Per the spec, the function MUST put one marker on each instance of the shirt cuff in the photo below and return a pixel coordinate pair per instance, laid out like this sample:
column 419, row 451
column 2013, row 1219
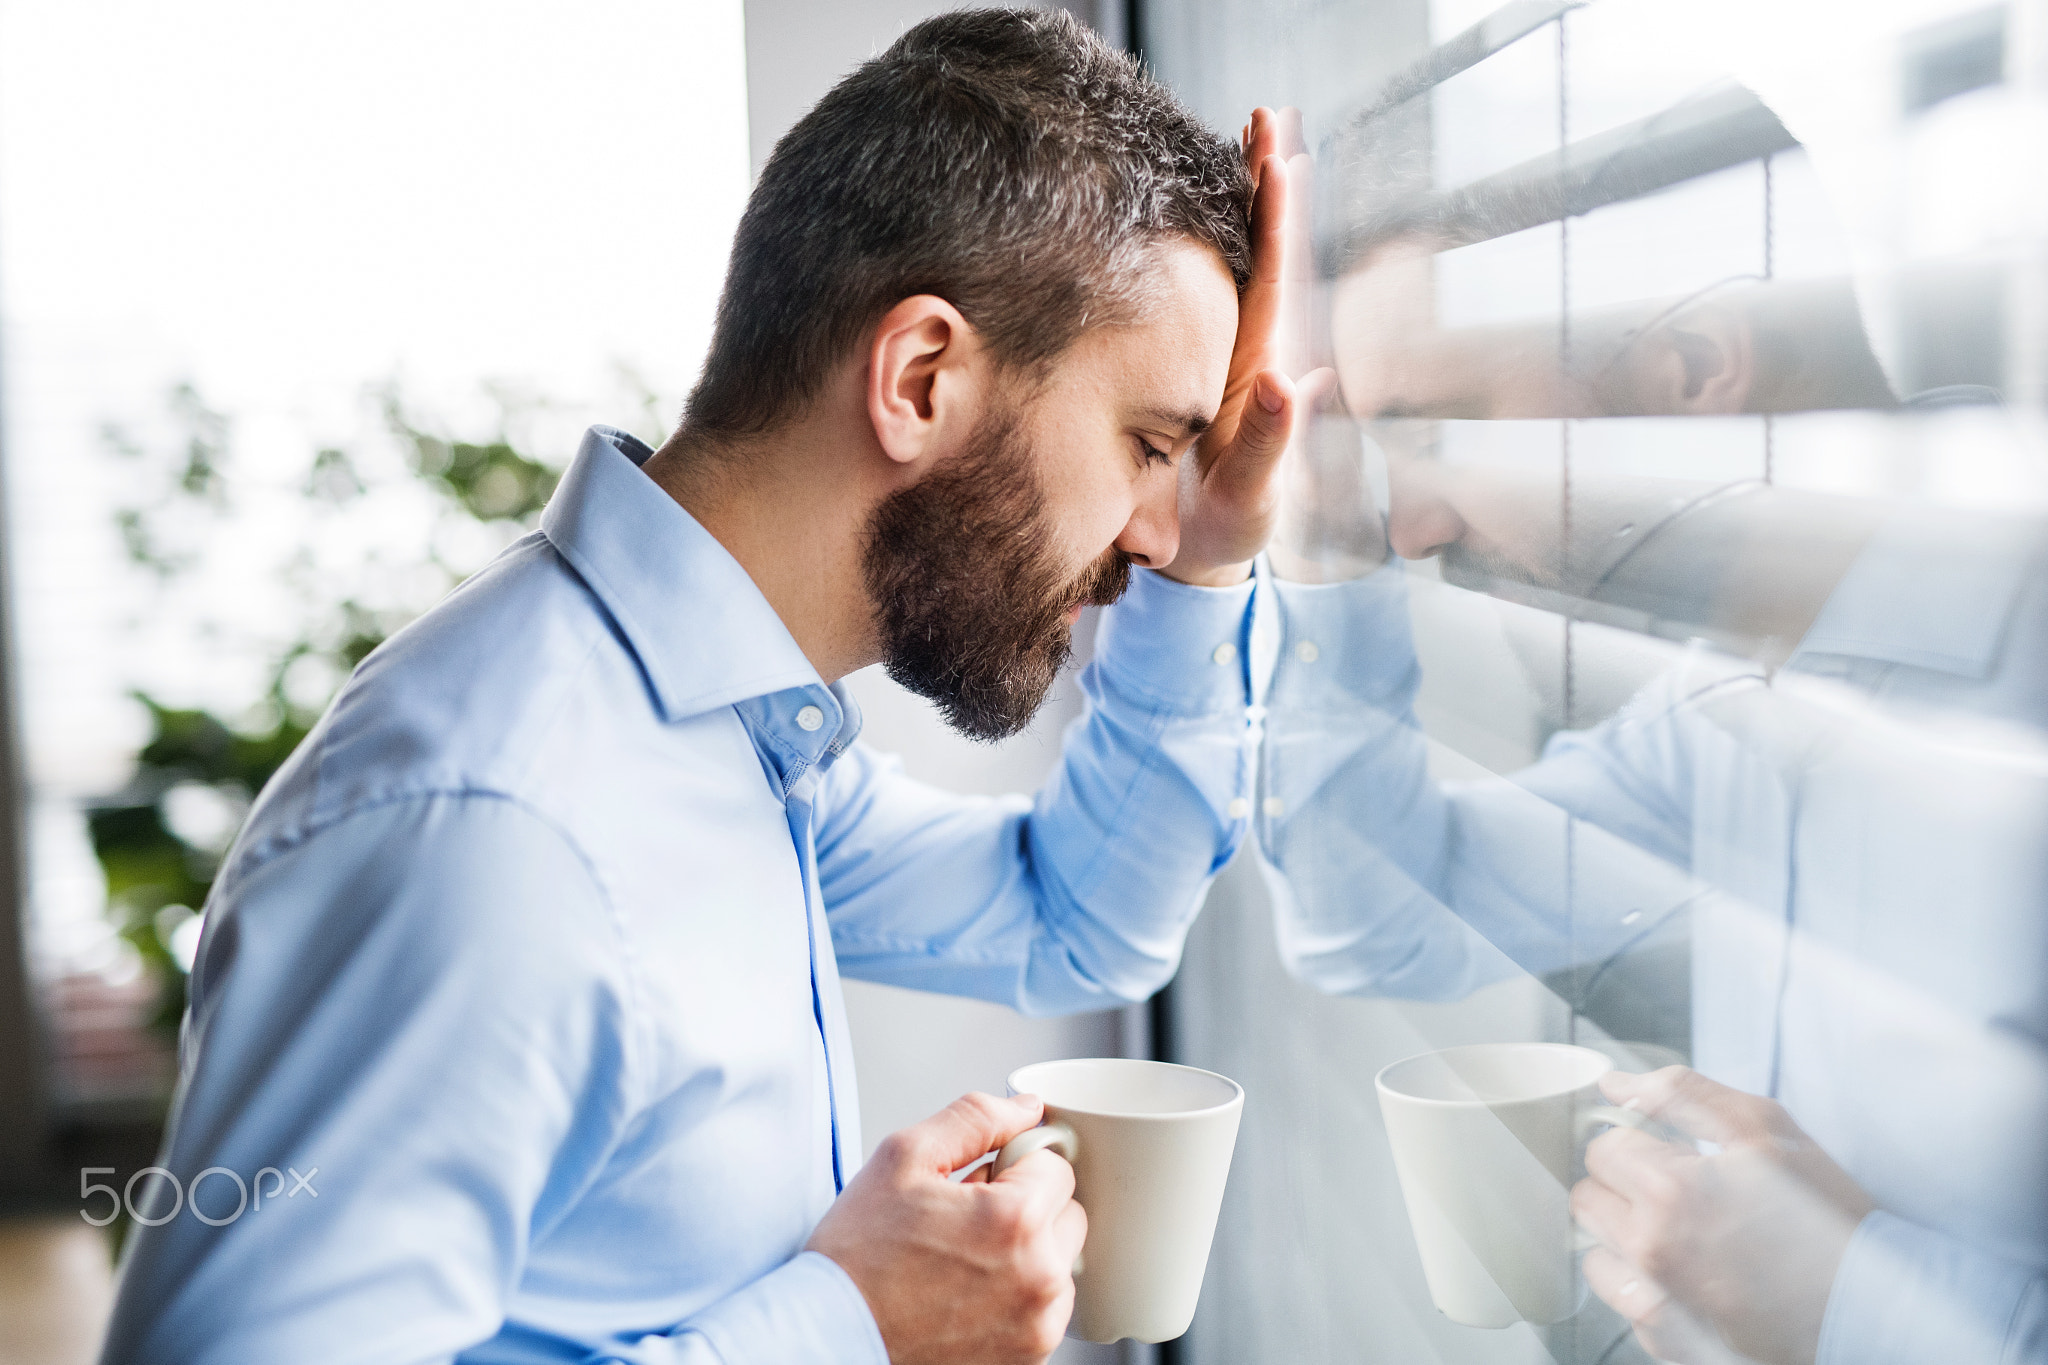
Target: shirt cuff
column 1342, row 643
column 1181, row 648
column 1905, row 1293
column 805, row 1310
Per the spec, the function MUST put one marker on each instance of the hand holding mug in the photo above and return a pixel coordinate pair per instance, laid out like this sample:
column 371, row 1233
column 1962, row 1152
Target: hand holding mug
column 960, row 1270
column 1747, row 1239
column 1486, row 1141
column 1149, row 1144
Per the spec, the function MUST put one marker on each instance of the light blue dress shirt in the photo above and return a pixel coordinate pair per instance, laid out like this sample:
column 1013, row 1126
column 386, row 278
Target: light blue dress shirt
column 533, row 952
column 1860, row 843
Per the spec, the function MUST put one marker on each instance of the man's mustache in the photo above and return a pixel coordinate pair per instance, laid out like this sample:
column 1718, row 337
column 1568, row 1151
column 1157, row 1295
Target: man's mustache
column 1103, row 584
column 1477, row 567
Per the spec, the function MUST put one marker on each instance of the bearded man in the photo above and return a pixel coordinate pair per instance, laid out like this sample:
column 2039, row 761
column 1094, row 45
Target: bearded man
column 533, row 949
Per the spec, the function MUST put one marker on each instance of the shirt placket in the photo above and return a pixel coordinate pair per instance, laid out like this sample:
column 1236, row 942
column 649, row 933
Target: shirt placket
column 828, row 1003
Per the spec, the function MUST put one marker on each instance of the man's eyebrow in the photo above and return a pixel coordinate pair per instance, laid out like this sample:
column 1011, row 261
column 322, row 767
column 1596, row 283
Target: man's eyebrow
column 1192, row 422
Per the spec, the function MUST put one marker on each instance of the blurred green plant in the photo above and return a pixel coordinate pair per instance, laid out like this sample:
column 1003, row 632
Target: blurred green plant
column 161, row 838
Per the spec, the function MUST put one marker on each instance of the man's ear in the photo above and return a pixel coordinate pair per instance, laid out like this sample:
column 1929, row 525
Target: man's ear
column 1701, row 362
column 923, row 379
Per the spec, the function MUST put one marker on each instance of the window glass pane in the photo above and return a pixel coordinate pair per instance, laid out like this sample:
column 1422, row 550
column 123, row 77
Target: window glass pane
column 1660, row 671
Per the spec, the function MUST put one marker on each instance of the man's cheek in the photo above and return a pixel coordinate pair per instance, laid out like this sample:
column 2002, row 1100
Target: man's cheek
column 1083, row 553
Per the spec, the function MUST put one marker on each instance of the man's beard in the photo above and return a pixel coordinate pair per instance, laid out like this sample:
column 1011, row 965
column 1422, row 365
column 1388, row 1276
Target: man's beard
column 969, row 598
column 1479, row 567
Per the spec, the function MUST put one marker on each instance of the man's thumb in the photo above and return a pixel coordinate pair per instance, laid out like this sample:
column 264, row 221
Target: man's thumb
column 1268, row 417
column 968, row 1129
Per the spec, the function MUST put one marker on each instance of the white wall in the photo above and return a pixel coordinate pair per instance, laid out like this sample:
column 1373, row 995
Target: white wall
column 917, row 1052
column 797, row 49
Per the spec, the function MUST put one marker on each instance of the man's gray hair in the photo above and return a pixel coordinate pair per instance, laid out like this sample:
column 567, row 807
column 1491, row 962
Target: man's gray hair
column 1007, row 161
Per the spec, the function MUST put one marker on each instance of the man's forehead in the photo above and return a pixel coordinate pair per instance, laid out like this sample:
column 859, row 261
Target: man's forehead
column 1166, row 367
column 1167, row 377
column 1170, row 364
column 1191, row 288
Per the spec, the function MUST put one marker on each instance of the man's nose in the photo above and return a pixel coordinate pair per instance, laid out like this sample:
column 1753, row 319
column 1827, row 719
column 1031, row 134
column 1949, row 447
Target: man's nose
column 1152, row 536
column 1418, row 527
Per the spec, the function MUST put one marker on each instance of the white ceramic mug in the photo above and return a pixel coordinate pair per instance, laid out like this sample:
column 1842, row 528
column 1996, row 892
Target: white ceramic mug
column 1150, row 1143
column 1488, row 1141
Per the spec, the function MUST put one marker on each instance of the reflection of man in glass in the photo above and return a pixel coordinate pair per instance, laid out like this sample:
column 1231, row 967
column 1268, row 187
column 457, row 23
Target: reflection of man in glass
column 1852, row 844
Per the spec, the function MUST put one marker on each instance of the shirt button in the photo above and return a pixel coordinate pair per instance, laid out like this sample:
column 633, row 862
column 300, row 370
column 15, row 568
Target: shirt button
column 1224, row 652
column 1275, row 806
column 1239, row 808
column 810, row 718
column 1307, row 652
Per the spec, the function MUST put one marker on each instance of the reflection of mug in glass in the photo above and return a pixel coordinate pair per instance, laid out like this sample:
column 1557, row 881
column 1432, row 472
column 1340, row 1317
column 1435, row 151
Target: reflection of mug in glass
column 1150, row 1143
column 1487, row 1142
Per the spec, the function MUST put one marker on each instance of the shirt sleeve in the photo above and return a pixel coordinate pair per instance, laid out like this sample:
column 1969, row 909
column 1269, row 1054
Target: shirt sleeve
column 806, row 1311
column 412, row 1041
column 1083, row 896
column 1906, row 1295
column 1387, row 880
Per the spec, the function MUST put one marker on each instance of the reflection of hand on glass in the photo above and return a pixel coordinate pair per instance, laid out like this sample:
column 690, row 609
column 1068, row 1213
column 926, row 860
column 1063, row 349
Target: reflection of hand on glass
column 1747, row 1239
column 1330, row 528
column 1328, row 525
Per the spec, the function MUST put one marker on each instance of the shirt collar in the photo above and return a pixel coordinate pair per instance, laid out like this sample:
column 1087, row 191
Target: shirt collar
column 1933, row 589
column 801, row 731
column 702, row 631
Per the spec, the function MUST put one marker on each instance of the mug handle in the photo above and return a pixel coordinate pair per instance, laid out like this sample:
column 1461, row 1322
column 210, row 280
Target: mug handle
column 1057, row 1136
column 1602, row 1115
column 1606, row 1115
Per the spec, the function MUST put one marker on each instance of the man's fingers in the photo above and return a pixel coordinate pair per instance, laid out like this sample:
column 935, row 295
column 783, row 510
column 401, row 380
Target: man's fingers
column 1261, row 140
column 1273, row 391
column 1600, row 1211
column 1694, row 1105
column 1287, row 133
column 1259, row 307
column 1044, row 1181
column 1622, row 1287
column 1272, row 132
column 1314, row 390
column 1269, row 226
column 1301, row 214
column 1664, row 1326
column 1297, row 257
column 969, row 1127
column 1069, row 1231
column 1262, row 433
column 1635, row 1165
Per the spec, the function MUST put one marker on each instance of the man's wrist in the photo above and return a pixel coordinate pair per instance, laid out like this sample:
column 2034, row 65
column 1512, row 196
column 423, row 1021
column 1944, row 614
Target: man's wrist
column 807, row 1309
column 1177, row 646
column 1904, row 1292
